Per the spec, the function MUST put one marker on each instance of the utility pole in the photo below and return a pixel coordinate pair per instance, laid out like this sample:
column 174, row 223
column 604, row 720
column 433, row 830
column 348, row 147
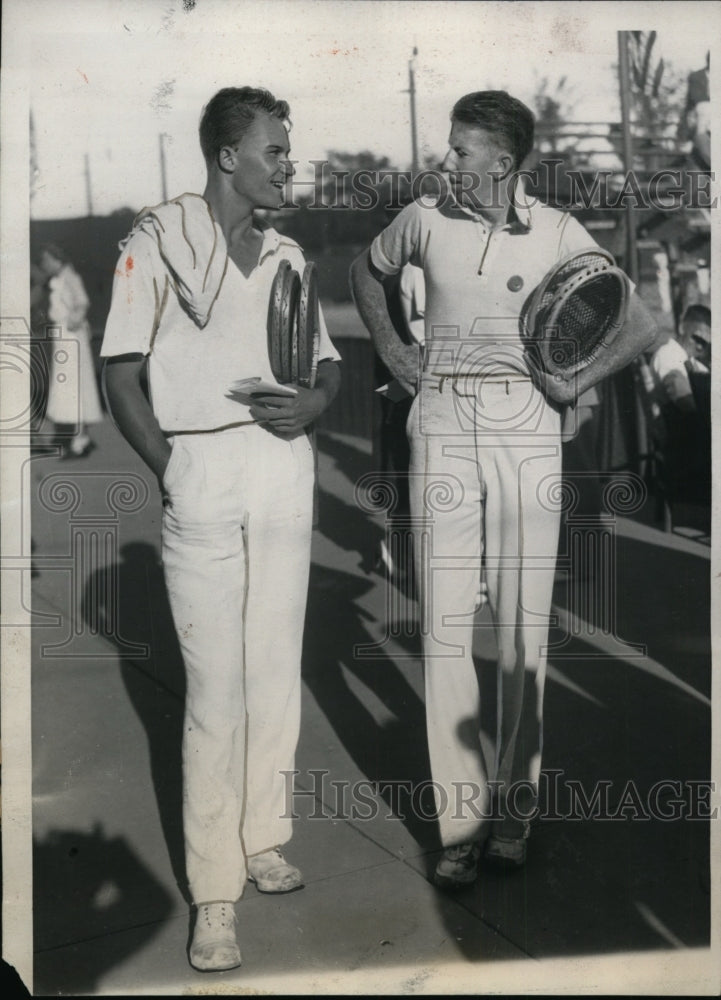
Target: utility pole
column 642, row 436
column 412, row 92
column 34, row 171
column 625, row 88
column 88, row 188
column 163, row 170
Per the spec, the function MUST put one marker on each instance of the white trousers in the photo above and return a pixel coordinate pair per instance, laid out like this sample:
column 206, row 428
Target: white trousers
column 485, row 475
column 236, row 537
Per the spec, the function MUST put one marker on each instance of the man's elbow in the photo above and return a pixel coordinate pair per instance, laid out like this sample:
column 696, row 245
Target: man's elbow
column 650, row 337
column 643, row 324
column 361, row 261
column 359, row 270
column 121, row 375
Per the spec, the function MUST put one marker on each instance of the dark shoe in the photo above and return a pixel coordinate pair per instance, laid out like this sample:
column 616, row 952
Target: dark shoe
column 458, row 866
column 508, row 851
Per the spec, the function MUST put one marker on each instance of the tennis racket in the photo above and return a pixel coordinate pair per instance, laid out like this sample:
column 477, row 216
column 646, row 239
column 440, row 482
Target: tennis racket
column 294, row 337
column 579, row 305
column 277, row 307
column 294, row 325
column 308, row 328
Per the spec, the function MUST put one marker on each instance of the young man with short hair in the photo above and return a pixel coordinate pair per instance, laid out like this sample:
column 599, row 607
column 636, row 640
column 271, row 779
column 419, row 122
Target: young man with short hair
column 190, row 299
column 485, row 435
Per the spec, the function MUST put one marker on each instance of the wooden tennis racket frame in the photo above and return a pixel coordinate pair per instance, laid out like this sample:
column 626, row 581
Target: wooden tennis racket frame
column 294, row 325
column 546, row 335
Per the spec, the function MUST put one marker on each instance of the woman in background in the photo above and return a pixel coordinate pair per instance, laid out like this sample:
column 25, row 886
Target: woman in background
column 73, row 397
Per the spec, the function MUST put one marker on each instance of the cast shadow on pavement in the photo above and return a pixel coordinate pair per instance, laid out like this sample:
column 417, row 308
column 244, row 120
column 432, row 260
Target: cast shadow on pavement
column 388, row 743
column 156, row 683
column 106, row 887
column 351, row 459
column 619, row 860
column 346, row 524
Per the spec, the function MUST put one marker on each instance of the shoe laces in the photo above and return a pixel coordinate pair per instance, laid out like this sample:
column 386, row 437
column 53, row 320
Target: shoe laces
column 210, row 913
column 460, row 851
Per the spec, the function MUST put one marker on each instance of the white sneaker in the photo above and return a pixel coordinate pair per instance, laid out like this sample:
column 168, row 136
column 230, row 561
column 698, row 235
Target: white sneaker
column 272, row 873
column 215, row 946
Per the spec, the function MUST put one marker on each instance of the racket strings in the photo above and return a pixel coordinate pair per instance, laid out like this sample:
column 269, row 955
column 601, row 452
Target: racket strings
column 582, row 320
column 594, row 264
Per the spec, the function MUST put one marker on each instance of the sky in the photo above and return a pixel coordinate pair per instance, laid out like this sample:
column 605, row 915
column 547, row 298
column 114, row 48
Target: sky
column 107, row 78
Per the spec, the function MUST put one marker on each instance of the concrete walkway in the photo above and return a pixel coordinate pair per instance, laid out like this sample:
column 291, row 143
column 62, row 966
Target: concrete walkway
column 618, row 901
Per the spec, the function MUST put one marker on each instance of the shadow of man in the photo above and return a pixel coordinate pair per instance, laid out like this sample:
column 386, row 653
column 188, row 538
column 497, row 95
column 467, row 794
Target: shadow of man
column 90, row 887
column 391, row 751
column 128, row 599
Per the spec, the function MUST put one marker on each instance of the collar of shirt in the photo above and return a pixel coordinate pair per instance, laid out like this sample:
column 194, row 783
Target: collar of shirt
column 519, row 216
column 272, row 242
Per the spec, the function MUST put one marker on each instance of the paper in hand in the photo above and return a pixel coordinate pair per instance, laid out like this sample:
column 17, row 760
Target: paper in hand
column 257, row 386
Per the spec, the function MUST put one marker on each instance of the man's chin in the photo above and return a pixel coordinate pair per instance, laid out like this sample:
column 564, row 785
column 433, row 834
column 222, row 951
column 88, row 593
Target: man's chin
column 274, row 203
column 461, row 196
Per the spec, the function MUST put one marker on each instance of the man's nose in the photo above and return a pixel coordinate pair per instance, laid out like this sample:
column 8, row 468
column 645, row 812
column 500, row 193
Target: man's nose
column 288, row 168
column 449, row 162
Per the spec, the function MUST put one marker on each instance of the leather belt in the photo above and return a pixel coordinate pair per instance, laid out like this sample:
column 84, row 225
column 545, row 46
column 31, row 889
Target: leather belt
column 495, row 377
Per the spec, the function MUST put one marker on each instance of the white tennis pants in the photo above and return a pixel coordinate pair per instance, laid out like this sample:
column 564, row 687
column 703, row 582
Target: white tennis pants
column 485, row 473
column 236, row 537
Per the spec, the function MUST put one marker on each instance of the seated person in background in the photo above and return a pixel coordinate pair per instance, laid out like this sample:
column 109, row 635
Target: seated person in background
column 696, row 327
column 697, row 340
column 682, row 371
column 673, row 360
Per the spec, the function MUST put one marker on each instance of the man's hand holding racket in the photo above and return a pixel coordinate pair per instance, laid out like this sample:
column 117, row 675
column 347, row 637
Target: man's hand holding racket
column 560, row 388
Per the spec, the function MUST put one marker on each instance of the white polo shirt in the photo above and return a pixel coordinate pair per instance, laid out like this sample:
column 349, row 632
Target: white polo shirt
column 671, row 359
column 190, row 370
column 477, row 279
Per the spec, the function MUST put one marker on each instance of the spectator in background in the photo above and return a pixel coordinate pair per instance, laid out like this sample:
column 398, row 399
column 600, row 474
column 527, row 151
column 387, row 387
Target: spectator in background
column 674, row 360
column 681, row 368
column 696, row 329
column 73, row 396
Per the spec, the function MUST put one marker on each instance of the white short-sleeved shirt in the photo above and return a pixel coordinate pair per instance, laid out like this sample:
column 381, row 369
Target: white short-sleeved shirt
column 190, row 370
column 476, row 279
column 671, row 359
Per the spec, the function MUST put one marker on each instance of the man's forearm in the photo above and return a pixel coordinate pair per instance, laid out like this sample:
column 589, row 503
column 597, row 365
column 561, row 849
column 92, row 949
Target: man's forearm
column 401, row 359
column 637, row 335
column 134, row 416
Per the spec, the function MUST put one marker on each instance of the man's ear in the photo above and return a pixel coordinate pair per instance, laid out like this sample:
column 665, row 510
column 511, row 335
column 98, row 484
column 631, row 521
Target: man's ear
column 505, row 166
column 227, row 159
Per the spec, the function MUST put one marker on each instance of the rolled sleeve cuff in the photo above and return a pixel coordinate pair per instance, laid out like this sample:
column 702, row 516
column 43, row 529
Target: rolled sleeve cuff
column 380, row 260
column 136, row 299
